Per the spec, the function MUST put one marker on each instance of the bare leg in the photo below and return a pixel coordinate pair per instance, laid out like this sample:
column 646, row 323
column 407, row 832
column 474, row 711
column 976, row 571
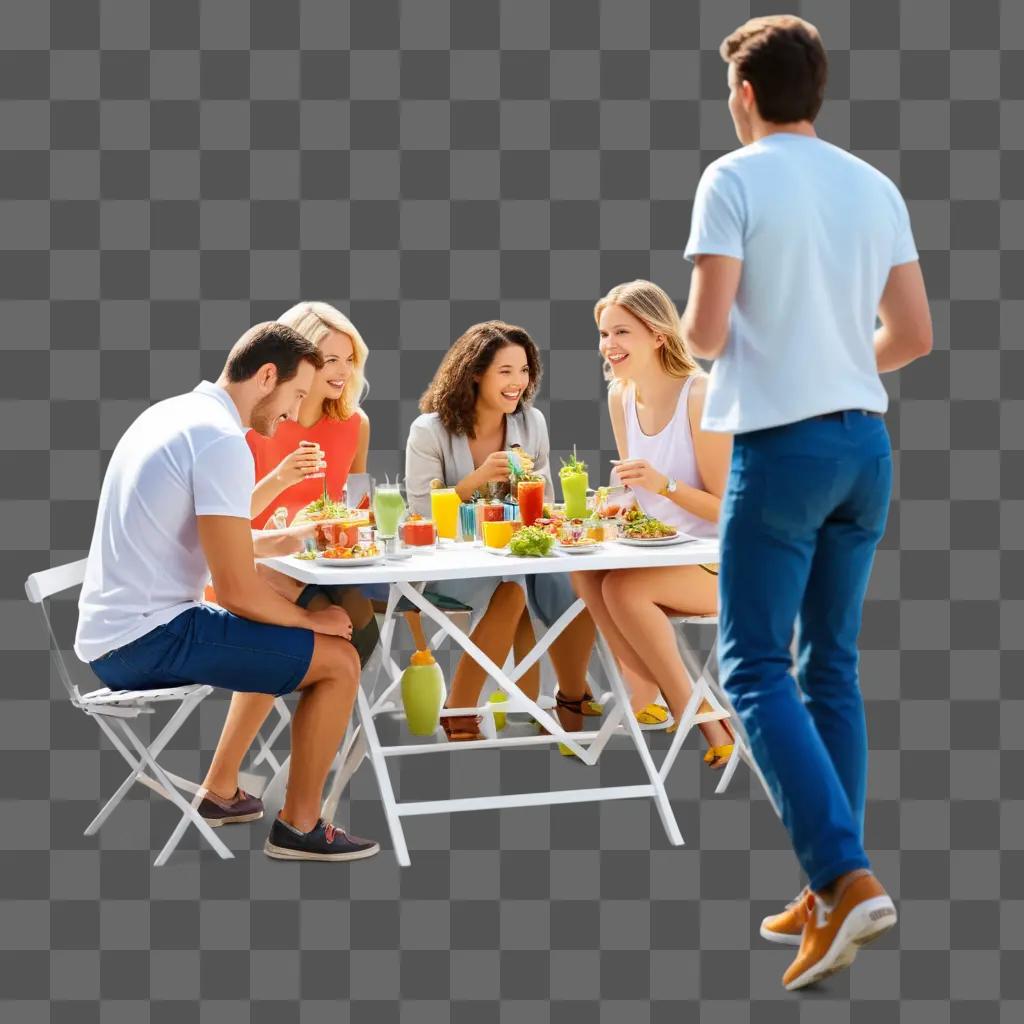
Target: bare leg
column 494, row 635
column 642, row 689
column 328, row 692
column 636, row 600
column 522, row 644
column 246, row 713
column 570, row 654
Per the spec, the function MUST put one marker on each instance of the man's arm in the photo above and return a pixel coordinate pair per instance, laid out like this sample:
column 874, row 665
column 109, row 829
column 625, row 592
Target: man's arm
column 713, row 285
column 228, row 545
column 906, row 331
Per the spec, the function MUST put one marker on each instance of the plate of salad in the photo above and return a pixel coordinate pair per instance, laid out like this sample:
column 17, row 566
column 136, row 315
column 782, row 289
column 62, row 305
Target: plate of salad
column 641, row 530
column 529, row 542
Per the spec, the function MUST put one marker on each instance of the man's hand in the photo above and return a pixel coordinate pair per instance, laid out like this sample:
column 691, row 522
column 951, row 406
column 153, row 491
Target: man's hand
column 333, row 621
column 277, row 543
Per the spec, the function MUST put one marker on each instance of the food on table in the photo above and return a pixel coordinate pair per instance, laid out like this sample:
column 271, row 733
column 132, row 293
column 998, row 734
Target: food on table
column 571, row 530
column 638, row 526
column 335, row 535
column 531, row 498
column 357, row 551
column 334, row 511
column 307, row 556
column 580, row 542
column 531, row 541
column 575, row 483
column 498, row 534
column 418, row 532
column 444, row 510
column 388, row 509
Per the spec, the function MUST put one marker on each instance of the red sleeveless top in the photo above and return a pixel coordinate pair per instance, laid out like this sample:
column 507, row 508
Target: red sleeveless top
column 338, row 440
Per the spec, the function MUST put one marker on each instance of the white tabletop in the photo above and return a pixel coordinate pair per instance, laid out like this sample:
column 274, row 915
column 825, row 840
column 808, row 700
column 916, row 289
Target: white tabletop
column 454, row 560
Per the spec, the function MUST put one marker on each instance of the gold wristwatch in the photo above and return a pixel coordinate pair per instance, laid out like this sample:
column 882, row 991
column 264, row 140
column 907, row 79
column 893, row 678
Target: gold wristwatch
column 669, row 489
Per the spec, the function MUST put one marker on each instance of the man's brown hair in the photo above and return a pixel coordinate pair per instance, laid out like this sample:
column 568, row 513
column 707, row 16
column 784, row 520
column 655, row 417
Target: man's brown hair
column 453, row 391
column 271, row 343
column 783, row 58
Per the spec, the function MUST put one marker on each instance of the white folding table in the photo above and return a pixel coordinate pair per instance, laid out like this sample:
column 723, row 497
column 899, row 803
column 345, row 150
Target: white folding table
column 451, row 560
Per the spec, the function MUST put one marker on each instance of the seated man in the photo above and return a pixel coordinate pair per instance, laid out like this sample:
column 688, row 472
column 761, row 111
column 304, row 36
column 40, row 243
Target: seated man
column 174, row 508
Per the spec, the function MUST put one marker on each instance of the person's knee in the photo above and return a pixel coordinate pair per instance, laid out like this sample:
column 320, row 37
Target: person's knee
column 509, row 598
column 338, row 662
column 616, row 588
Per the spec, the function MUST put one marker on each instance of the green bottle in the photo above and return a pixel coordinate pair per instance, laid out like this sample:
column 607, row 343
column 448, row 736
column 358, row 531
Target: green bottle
column 422, row 693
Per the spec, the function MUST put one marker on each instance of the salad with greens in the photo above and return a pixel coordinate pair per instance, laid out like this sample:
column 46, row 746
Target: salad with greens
column 531, row 541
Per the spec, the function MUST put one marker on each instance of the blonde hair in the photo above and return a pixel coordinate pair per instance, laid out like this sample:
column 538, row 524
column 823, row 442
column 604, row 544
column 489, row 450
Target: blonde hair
column 314, row 321
column 652, row 305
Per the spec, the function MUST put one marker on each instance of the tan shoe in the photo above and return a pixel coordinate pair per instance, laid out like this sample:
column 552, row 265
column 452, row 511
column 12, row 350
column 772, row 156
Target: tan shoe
column 833, row 935
column 787, row 927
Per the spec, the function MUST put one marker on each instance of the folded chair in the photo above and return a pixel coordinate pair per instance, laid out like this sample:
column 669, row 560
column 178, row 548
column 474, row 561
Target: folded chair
column 115, row 710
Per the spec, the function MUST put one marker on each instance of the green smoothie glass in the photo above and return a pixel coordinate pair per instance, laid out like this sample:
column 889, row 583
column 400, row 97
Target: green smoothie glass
column 388, row 509
column 575, row 483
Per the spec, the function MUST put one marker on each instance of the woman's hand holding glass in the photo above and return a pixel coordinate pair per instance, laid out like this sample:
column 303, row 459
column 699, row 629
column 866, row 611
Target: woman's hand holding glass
column 295, row 467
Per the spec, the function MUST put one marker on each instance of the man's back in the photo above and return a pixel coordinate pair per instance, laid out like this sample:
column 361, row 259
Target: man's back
column 818, row 231
column 182, row 457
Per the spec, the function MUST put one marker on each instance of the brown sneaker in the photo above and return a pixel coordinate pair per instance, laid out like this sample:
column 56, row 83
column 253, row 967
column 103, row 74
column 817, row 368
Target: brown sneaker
column 833, row 935
column 787, row 927
column 217, row 811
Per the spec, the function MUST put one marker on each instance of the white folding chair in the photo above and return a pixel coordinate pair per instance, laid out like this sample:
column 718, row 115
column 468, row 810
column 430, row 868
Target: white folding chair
column 706, row 686
column 113, row 710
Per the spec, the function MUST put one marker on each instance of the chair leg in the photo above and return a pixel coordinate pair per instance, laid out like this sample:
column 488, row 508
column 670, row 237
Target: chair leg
column 166, row 734
column 190, row 814
column 266, row 753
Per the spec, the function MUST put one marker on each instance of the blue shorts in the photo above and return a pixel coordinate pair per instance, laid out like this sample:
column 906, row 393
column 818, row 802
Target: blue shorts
column 211, row 646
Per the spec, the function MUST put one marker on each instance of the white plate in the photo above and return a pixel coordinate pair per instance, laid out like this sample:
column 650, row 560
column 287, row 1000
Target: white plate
column 654, row 542
column 348, row 563
column 578, row 549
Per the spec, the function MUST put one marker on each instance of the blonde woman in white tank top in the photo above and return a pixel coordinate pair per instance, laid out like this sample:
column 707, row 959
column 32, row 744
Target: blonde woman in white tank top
column 655, row 400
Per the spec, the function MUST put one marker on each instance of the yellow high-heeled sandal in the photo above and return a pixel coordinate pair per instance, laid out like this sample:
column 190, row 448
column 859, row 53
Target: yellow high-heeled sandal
column 716, row 757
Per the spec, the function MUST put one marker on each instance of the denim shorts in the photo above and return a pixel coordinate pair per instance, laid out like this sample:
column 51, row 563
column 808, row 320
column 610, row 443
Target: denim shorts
column 213, row 647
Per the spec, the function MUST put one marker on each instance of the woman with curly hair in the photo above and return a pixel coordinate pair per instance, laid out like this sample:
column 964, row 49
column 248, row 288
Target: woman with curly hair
column 475, row 409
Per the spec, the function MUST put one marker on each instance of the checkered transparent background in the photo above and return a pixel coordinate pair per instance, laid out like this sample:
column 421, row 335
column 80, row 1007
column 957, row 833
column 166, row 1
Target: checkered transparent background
column 174, row 171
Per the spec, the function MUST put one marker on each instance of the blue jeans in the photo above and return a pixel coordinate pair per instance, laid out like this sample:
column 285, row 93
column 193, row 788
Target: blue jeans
column 804, row 509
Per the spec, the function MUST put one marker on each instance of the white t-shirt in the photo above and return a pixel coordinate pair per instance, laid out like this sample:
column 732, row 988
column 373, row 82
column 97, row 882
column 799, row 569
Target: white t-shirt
column 182, row 458
column 818, row 231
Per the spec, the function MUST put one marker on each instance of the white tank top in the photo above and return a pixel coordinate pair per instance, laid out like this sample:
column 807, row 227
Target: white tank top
column 670, row 451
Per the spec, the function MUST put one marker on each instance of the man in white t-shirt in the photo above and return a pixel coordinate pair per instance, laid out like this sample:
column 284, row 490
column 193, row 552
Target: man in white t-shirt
column 798, row 246
column 174, row 509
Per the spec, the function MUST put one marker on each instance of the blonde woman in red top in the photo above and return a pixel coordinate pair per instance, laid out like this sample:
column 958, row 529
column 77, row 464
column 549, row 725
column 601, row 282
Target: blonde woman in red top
column 287, row 474
column 329, row 415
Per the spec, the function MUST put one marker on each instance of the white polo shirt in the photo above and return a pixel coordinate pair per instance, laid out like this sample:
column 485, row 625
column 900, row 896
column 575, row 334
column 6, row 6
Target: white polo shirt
column 818, row 231
column 182, row 458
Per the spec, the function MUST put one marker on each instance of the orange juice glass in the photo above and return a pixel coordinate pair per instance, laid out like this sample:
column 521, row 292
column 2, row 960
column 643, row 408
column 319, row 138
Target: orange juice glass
column 498, row 534
column 444, row 510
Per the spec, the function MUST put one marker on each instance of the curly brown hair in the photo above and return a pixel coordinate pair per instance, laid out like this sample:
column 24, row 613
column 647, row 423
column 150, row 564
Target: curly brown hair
column 452, row 394
column 783, row 58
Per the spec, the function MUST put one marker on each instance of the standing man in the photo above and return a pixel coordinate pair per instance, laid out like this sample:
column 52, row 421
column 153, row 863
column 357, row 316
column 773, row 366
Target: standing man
column 797, row 246
column 174, row 509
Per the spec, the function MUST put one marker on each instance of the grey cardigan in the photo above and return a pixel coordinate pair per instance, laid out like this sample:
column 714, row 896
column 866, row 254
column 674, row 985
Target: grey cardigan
column 433, row 453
